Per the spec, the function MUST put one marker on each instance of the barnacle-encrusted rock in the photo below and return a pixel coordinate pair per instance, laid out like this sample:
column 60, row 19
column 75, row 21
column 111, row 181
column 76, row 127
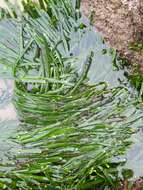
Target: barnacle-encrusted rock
column 120, row 22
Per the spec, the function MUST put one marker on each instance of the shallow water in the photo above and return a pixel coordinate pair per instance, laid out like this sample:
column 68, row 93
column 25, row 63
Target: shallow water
column 135, row 155
column 9, row 124
column 8, row 121
column 101, row 70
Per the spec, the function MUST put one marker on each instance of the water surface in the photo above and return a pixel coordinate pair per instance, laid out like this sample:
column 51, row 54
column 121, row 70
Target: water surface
column 102, row 69
column 8, row 121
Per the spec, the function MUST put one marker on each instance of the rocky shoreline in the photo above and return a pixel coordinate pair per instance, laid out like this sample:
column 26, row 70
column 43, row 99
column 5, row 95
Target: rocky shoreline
column 120, row 22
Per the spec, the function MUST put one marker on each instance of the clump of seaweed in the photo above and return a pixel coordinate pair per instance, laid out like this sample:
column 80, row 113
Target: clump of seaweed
column 72, row 131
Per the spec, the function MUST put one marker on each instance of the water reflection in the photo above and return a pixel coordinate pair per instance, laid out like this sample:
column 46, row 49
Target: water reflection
column 135, row 155
column 8, row 121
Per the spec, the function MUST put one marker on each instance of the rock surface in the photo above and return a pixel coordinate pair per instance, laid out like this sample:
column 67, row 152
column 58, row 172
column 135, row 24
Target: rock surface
column 120, row 22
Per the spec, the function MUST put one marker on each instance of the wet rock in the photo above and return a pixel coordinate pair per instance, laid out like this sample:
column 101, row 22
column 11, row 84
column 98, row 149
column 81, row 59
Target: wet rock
column 138, row 185
column 128, row 185
column 120, row 22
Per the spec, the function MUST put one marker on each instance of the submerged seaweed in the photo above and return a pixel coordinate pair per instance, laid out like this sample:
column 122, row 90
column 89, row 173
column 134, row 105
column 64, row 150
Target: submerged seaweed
column 72, row 131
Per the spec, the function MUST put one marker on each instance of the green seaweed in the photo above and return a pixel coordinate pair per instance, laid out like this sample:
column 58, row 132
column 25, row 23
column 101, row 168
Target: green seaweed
column 71, row 131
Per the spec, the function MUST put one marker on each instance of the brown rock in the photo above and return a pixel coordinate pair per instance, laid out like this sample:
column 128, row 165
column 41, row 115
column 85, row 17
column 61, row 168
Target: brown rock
column 120, row 22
